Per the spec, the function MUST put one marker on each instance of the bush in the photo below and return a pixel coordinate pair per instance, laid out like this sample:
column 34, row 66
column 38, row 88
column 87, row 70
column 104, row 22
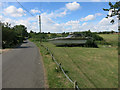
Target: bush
column 12, row 36
column 91, row 43
column 90, row 34
column 39, row 36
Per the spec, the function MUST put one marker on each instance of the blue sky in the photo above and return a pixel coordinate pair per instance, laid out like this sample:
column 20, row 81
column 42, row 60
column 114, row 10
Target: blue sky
column 59, row 16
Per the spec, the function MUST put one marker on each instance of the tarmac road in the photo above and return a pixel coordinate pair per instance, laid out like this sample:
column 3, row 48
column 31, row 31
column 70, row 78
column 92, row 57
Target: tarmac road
column 22, row 67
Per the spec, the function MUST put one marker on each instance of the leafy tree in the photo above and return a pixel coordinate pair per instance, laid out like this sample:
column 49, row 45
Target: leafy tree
column 21, row 30
column 12, row 35
column 9, row 36
column 53, row 35
column 115, row 10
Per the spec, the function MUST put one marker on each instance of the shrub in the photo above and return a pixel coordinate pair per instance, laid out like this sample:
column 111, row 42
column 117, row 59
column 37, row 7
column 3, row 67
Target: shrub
column 91, row 43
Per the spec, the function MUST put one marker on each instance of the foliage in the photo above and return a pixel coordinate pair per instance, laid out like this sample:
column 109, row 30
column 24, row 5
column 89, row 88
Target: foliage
column 21, row 30
column 39, row 36
column 91, row 43
column 115, row 10
column 107, row 32
column 88, row 33
column 12, row 35
column 65, row 34
column 53, row 35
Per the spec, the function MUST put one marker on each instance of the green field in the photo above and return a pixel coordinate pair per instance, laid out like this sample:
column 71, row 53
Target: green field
column 111, row 38
column 90, row 67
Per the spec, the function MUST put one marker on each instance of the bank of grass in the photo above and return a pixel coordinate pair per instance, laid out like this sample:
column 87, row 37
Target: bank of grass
column 90, row 67
column 56, row 79
column 110, row 38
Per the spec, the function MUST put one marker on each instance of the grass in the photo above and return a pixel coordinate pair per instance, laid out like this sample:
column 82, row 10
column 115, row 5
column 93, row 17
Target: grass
column 111, row 38
column 55, row 79
column 90, row 67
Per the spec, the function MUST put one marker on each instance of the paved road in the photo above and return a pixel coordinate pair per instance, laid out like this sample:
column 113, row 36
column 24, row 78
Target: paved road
column 22, row 67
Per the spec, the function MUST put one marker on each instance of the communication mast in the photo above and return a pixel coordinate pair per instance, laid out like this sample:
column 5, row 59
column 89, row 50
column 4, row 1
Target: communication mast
column 40, row 23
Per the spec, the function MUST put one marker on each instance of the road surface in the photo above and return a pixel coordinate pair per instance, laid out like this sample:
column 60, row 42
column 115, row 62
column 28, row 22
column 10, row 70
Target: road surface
column 22, row 67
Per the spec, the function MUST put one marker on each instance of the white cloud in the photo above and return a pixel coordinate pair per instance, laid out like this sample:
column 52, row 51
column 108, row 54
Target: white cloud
column 48, row 25
column 0, row 17
column 72, row 22
column 73, row 6
column 87, row 18
column 57, row 13
column 35, row 11
column 1, row 4
column 105, row 21
column 14, row 12
column 98, row 14
column 103, row 25
column 90, row 17
column 96, row 0
column 84, row 24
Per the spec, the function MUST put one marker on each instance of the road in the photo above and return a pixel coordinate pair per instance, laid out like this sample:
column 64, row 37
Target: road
column 22, row 67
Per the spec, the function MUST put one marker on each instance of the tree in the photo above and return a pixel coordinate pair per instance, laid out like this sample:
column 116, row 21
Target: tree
column 12, row 35
column 53, row 35
column 21, row 30
column 9, row 36
column 115, row 10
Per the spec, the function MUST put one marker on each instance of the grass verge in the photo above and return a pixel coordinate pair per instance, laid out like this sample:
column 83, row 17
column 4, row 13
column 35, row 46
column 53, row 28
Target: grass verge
column 56, row 79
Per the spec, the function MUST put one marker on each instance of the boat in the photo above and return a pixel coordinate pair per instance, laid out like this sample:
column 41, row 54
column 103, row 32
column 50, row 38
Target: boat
column 72, row 39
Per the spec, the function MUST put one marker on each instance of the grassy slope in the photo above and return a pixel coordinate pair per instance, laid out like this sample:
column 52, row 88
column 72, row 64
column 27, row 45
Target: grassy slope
column 110, row 38
column 55, row 79
column 90, row 67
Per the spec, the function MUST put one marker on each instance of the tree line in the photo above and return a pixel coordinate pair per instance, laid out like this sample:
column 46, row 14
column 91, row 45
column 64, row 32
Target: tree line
column 12, row 36
column 95, row 38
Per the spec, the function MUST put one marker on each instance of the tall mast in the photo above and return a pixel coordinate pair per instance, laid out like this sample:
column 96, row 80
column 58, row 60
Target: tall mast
column 40, row 23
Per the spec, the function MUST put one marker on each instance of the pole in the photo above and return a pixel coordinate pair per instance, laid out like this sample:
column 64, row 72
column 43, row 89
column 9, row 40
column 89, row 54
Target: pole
column 75, row 83
column 40, row 28
column 40, row 23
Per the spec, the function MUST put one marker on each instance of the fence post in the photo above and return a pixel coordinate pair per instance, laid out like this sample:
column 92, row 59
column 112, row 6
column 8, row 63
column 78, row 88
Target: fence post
column 75, row 83
column 60, row 66
column 47, row 48
column 52, row 56
column 41, row 45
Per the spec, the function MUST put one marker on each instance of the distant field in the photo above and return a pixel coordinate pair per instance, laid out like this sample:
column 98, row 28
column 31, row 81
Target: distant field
column 110, row 38
column 90, row 67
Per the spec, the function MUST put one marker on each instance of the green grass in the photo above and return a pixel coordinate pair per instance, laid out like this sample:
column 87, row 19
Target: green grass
column 110, row 38
column 55, row 79
column 90, row 67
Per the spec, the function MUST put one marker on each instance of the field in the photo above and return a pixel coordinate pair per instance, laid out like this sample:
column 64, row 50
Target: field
column 111, row 38
column 90, row 67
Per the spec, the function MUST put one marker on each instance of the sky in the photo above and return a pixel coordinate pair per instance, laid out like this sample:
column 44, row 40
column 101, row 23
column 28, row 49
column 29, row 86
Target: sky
column 58, row 17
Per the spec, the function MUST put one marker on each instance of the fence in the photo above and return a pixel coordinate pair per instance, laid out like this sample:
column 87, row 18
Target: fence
column 61, row 68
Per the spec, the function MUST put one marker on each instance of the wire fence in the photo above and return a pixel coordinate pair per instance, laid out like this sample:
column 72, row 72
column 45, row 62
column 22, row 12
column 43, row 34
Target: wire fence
column 61, row 68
